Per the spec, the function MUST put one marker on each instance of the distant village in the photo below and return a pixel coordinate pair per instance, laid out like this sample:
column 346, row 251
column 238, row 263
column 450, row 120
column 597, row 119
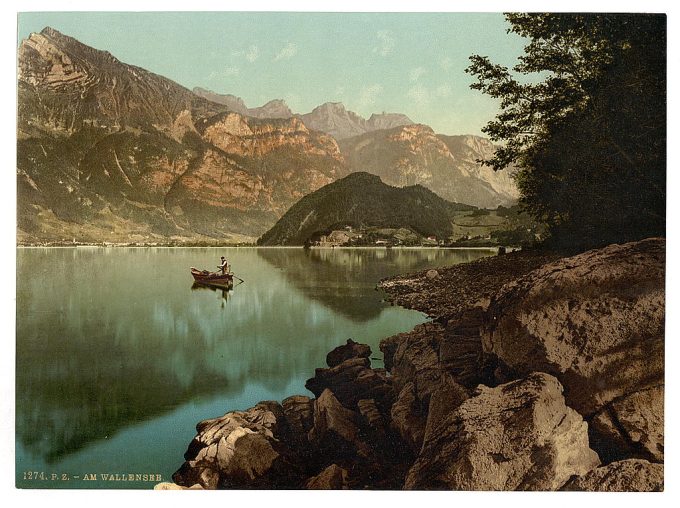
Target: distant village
column 402, row 237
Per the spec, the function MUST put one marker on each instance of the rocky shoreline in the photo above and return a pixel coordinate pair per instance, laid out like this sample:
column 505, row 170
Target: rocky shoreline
column 536, row 373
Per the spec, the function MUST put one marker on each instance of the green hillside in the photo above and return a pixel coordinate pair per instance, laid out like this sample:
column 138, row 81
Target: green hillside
column 363, row 201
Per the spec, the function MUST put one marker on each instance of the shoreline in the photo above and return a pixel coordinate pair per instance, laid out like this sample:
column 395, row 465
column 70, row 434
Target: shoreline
column 231, row 246
column 500, row 327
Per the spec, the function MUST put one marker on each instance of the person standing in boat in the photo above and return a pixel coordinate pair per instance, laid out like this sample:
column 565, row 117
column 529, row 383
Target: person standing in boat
column 224, row 266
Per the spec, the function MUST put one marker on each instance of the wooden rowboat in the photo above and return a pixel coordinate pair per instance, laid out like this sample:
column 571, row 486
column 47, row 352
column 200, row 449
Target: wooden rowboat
column 222, row 280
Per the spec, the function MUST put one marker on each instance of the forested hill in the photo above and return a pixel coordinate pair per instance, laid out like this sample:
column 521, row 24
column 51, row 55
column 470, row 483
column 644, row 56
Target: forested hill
column 362, row 200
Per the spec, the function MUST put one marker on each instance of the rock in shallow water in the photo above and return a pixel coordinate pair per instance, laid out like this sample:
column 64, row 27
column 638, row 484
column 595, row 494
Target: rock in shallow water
column 239, row 450
column 351, row 381
column 517, row 436
column 349, row 350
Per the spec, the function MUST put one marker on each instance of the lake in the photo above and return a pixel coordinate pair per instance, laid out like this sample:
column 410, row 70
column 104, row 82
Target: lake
column 119, row 356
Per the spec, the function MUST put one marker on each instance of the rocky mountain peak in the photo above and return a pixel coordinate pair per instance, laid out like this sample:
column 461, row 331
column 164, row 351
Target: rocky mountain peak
column 233, row 102
column 331, row 106
column 276, row 108
column 387, row 120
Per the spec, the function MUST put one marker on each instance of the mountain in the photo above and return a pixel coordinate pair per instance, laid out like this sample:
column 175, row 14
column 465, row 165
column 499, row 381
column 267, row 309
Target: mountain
column 110, row 151
column 232, row 102
column 414, row 154
column 362, row 200
column 332, row 118
column 276, row 108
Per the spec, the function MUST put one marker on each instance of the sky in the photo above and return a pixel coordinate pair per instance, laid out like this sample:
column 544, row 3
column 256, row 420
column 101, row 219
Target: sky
column 371, row 62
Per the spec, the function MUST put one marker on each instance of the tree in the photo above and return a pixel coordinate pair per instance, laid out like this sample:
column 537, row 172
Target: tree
column 588, row 138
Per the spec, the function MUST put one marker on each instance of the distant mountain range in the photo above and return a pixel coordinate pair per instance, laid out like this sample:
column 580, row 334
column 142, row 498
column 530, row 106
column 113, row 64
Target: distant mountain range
column 276, row 108
column 331, row 117
column 414, row 154
column 362, row 200
column 108, row 151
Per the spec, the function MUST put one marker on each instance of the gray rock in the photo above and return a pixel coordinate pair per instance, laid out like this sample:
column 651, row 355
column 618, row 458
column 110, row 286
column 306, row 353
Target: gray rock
column 432, row 274
column 631, row 475
column 516, row 436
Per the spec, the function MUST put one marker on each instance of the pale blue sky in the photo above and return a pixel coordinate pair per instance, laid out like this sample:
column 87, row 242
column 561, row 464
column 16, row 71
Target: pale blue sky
column 372, row 62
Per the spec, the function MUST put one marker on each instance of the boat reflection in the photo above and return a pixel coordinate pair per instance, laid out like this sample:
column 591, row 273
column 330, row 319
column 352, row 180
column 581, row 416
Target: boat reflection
column 222, row 292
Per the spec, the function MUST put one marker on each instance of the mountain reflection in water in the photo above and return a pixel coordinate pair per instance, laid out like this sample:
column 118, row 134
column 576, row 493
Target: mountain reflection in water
column 344, row 278
column 110, row 338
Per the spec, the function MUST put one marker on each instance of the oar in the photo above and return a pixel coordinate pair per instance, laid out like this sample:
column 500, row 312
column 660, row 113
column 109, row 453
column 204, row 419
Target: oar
column 239, row 278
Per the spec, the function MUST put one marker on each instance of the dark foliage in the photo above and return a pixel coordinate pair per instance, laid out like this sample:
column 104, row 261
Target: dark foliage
column 590, row 137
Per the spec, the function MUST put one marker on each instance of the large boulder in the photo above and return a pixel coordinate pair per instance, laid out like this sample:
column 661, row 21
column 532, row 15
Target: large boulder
column 239, row 450
column 516, row 436
column 631, row 427
column 595, row 321
column 633, row 475
column 443, row 401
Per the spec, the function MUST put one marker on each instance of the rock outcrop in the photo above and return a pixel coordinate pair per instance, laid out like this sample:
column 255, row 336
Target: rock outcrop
column 350, row 350
column 631, row 475
column 517, row 436
column 337, row 440
column 595, row 321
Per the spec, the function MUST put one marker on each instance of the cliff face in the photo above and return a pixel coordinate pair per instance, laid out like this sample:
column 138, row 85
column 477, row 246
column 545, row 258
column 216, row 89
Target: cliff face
column 414, row 154
column 135, row 156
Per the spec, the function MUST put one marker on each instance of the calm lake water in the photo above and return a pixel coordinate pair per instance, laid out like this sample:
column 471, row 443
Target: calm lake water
column 118, row 357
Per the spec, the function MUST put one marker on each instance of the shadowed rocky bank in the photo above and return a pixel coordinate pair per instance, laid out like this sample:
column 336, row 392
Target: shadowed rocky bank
column 536, row 373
